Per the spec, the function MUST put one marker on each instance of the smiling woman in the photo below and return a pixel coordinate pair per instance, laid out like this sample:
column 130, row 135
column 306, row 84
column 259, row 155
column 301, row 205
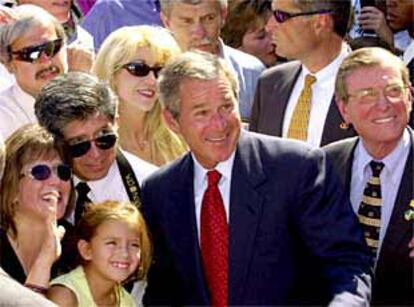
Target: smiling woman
column 35, row 193
column 130, row 60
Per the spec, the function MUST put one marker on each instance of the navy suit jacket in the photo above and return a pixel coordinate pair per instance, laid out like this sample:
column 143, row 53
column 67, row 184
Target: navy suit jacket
column 393, row 283
column 273, row 91
column 291, row 228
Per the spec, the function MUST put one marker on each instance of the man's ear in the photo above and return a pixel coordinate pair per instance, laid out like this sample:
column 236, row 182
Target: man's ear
column 165, row 21
column 223, row 13
column 343, row 109
column 84, row 249
column 171, row 121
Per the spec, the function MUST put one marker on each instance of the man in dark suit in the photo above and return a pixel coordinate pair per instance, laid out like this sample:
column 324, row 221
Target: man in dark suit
column 243, row 218
column 373, row 94
column 311, row 33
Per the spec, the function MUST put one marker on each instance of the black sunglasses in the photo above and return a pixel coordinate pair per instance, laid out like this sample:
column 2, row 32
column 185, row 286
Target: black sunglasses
column 140, row 69
column 43, row 172
column 282, row 16
column 33, row 53
column 103, row 142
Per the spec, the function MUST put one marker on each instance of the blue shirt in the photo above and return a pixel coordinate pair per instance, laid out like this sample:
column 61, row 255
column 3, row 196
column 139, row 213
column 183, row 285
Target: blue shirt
column 108, row 15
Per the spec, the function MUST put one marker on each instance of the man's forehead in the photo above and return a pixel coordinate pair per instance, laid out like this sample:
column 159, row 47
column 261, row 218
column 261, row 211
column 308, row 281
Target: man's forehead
column 87, row 127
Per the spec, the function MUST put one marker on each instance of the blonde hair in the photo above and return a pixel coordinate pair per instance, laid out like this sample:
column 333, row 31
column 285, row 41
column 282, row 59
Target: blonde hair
column 121, row 211
column 119, row 48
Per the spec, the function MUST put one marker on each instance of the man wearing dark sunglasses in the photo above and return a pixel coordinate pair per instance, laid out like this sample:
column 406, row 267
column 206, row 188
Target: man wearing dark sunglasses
column 197, row 25
column 296, row 99
column 33, row 50
column 82, row 113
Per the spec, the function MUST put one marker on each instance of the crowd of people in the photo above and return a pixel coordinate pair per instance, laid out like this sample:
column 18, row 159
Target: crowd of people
column 206, row 152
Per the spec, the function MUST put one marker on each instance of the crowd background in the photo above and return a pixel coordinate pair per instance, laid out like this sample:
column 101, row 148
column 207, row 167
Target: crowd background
column 86, row 120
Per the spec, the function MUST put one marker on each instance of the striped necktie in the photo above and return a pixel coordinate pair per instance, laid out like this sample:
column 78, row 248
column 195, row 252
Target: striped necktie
column 298, row 128
column 369, row 212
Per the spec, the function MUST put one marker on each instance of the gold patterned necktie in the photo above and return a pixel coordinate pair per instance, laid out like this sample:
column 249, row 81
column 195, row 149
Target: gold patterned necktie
column 369, row 212
column 298, row 128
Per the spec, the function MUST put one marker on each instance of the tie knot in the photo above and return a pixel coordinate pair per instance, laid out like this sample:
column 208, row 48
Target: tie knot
column 82, row 188
column 309, row 81
column 376, row 167
column 213, row 177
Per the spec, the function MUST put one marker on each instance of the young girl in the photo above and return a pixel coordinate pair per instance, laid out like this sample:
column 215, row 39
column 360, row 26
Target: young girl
column 113, row 245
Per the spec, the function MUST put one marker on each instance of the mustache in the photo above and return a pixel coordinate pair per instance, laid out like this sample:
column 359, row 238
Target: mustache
column 52, row 68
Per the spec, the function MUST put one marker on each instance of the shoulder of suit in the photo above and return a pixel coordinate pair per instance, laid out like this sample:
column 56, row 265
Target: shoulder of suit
column 339, row 146
column 278, row 70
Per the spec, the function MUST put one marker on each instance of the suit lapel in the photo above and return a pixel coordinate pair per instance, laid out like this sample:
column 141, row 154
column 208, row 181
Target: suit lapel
column 398, row 228
column 245, row 208
column 281, row 92
column 182, row 229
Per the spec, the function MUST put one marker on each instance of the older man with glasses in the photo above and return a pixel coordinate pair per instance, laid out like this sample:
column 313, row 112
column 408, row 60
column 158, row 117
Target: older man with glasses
column 295, row 100
column 373, row 94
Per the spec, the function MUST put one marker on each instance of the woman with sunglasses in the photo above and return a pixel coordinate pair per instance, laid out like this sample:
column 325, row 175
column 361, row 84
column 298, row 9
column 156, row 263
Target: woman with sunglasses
column 130, row 59
column 35, row 192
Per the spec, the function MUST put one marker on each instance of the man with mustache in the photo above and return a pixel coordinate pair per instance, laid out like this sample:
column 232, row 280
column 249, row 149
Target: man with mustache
column 33, row 48
column 196, row 24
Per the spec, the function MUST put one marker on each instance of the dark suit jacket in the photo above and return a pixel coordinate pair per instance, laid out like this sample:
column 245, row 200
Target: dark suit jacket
column 272, row 95
column 393, row 282
column 289, row 222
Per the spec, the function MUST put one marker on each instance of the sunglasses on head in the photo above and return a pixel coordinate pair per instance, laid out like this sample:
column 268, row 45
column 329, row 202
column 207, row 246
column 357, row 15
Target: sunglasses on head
column 282, row 16
column 43, row 172
column 140, row 69
column 33, row 53
column 103, row 142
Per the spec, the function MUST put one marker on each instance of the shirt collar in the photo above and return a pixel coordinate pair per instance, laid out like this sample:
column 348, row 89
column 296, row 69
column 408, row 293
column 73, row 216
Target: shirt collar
column 391, row 161
column 224, row 168
column 326, row 73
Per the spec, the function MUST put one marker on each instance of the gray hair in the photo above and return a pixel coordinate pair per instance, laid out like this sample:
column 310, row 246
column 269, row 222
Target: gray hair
column 28, row 17
column 166, row 5
column 73, row 96
column 191, row 65
column 340, row 12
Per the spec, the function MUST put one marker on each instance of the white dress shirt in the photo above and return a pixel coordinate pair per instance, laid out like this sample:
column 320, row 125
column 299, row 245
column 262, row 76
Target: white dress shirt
column 201, row 182
column 394, row 164
column 322, row 93
column 16, row 110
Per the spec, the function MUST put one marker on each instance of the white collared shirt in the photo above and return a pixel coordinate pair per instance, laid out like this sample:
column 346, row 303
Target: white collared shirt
column 394, row 164
column 322, row 93
column 16, row 110
column 409, row 53
column 201, row 182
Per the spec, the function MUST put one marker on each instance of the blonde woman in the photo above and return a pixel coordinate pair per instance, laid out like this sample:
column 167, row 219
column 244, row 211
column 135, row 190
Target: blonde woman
column 130, row 59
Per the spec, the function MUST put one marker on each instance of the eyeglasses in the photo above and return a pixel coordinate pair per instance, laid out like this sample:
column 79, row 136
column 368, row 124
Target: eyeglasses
column 140, row 69
column 370, row 96
column 282, row 16
column 103, row 142
column 33, row 53
column 43, row 172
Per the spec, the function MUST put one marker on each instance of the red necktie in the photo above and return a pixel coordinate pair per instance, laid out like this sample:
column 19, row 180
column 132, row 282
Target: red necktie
column 214, row 241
